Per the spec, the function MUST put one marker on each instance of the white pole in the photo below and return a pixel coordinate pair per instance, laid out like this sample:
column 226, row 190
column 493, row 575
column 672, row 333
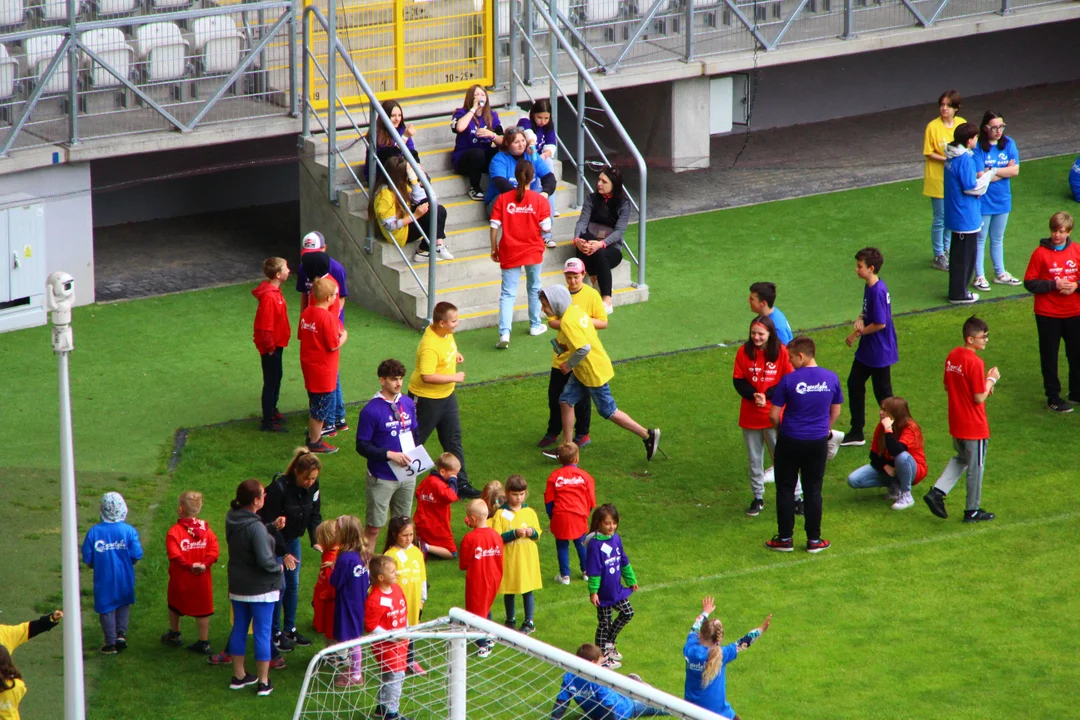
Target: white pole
column 457, row 690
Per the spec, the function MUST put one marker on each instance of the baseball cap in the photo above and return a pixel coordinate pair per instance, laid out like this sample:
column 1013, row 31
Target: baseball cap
column 574, row 265
column 312, row 242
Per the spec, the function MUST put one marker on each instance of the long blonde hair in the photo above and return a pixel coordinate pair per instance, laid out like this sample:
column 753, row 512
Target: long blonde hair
column 712, row 631
column 493, row 496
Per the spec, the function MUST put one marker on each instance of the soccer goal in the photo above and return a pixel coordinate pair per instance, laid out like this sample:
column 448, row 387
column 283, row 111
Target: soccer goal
column 519, row 679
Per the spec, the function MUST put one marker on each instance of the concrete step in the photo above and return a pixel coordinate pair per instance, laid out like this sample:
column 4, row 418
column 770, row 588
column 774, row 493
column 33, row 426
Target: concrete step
column 465, row 269
column 471, row 317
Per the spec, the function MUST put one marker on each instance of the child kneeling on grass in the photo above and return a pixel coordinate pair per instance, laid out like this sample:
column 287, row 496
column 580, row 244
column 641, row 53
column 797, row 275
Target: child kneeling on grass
column 192, row 548
column 897, row 459
column 596, row 701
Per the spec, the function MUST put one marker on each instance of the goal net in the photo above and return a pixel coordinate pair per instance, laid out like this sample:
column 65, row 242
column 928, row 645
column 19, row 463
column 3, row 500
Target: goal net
column 520, row 678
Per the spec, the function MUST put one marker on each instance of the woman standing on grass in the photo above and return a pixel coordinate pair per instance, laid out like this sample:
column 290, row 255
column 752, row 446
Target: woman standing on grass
column 939, row 133
column 598, row 237
column 994, row 150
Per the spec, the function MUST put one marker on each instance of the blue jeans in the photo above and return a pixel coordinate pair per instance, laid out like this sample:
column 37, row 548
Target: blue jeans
column 290, row 596
column 601, row 396
column 528, row 602
column 868, row 477
column 510, row 280
column 939, row 234
column 339, row 402
column 994, row 225
column 245, row 614
column 562, row 549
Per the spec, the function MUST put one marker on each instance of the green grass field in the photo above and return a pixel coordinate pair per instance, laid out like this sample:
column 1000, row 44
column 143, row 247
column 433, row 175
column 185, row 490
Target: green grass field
column 907, row 615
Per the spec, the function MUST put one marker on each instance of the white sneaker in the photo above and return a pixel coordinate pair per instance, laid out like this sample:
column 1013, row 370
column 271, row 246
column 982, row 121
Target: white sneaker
column 904, row 502
column 835, row 438
column 443, row 252
column 971, row 298
column 421, row 256
column 770, row 475
column 550, row 243
column 1006, row 279
column 504, row 341
column 538, row 330
column 562, row 579
column 611, row 652
column 483, row 651
column 981, row 284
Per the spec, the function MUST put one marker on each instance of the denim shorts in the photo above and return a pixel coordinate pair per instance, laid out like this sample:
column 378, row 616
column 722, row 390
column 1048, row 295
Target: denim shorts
column 574, row 392
column 321, row 406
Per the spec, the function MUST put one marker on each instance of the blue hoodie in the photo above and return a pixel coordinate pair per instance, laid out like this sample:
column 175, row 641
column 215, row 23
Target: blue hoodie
column 962, row 211
column 1074, row 180
column 112, row 547
column 504, row 164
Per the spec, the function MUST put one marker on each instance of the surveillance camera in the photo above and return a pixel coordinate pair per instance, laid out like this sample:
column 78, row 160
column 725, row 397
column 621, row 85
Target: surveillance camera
column 60, row 296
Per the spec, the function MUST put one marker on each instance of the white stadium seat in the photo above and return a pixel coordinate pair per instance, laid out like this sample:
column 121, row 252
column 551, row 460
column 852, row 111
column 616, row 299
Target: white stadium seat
column 115, row 7
column 9, row 69
column 52, row 10
column 39, row 53
column 162, row 50
column 12, row 12
column 110, row 45
column 602, row 10
column 169, row 4
column 217, row 44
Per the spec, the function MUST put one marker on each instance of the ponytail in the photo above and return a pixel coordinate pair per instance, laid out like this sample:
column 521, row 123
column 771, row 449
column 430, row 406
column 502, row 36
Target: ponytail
column 8, row 672
column 712, row 631
column 303, row 463
column 247, row 493
column 524, row 173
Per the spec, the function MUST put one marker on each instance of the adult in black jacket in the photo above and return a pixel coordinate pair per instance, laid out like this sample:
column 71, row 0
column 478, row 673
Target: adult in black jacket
column 598, row 236
column 292, row 508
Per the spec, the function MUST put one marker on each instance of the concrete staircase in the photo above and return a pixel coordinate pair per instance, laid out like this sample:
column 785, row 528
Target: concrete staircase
column 382, row 280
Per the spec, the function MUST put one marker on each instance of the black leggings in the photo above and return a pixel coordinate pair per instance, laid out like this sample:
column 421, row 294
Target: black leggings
column 582, row 411
column 856, row 388
column 599, row 264
column 473, row 163
column 422, row 223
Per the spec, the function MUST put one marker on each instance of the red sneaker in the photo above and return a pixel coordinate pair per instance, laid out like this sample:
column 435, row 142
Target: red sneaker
column 816, row 546
column 780, row 544
column 277, row 663
column 221, row 658
column 322, row 448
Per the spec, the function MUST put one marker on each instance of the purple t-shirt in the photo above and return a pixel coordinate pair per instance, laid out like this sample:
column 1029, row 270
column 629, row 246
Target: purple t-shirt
column 544, row 136
column 381, row 423
column 468, row 140
column 877, row 350
column 605, row 559
column 807, row 396
column 303, row 285
column 350, row 580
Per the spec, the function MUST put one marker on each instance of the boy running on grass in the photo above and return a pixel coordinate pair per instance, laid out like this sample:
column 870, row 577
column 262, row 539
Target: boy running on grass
column 877, row 352
column 321, row 338
column 968, row 385
column 591, row 368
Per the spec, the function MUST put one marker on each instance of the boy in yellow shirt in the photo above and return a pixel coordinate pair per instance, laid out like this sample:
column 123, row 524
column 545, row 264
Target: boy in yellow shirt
column 519, row 528
column 591, row 368
column 431, row 387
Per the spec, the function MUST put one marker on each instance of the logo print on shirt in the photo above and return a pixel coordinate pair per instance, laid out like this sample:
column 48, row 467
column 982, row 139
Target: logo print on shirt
column 803, row 388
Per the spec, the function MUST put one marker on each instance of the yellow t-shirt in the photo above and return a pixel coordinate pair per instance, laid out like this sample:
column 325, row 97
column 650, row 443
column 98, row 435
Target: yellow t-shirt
column 12, row 636
column 411, row 576
column 435, row 356
column 934, row 141
column 577, row 331
column 521, row 558
column 590, row 301
column 386, row 207
column 10, row 699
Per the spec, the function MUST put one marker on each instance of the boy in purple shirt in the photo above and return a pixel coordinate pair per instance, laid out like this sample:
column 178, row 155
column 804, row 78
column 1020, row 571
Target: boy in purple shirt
column 809, row 400
column 383, row 421
column 877, row 352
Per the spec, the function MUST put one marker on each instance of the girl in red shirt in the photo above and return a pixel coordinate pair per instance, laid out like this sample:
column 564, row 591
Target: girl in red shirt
column 897, row 459
column 759, row 365
column 323, row 597
column 192, row 548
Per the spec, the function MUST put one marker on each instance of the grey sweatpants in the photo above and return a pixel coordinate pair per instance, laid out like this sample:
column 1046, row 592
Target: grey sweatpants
column 115, row 622
column 970, row 456
column 390, row 684
column 756, row 442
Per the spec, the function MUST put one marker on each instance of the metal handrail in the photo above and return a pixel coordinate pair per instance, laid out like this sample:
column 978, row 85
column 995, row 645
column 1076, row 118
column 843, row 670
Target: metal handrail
column 338, row 48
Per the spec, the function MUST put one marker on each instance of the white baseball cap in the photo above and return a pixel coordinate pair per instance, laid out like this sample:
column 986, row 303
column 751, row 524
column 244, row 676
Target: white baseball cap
column 313, row 242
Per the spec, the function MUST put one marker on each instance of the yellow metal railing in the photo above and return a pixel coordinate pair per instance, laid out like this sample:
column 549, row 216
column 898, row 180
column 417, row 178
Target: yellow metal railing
column 407, row 48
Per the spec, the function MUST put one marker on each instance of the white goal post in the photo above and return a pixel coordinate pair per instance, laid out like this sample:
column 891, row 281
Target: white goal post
column 519, row 679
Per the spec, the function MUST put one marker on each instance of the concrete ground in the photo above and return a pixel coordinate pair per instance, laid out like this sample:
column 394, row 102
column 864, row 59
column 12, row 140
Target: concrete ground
column 160, row 256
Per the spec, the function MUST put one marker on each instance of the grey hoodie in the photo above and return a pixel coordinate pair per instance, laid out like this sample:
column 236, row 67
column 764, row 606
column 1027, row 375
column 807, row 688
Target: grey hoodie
column 253, row 567
column 558, row 298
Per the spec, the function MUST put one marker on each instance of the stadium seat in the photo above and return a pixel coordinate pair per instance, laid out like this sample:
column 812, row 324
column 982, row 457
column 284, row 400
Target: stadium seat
column 9, row 70
column 603, row 10
column 162, row 51
column 54, row 10
column 112, row 8
column 216, row 45
column 169, row 4
column 12, row 12
column 39, row 53
column 110, row 45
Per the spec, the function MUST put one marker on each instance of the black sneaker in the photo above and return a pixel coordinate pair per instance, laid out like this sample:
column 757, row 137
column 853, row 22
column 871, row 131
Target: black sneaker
column 241, row 683
column 1058, row 405
column 547, row 441
column 172, row 639
column 273, row 427
column 652, row 442
column 476, row 194
column 329, row 431
column 528, row 627
column 511, row 623
column 550, row 453
column 853, row 438
column 800, row 510
column 755, row 507
column 816, row 546
column 283, row 643
column 467, row 491
column 980, row 515
column 121, row 642
column 780, row 544
column 297, row 639
column 202, row 647
column 342, row 425
column 265, row 688
column 108, row 650
column 935, row 500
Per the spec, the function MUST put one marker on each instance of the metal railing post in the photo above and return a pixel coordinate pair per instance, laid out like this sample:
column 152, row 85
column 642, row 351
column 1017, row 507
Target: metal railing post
column 553, row 67
column 1005, row 9
column 433, row 239
column 849, row 20
column 305, row 78
column 494, row 5
column 293, row 106
column 642, row 202
column 73, row 76
column 511, row 59
column 331, row 96
column 373, row 141
column 580, row 149
column 527, row 18
column 689, row 30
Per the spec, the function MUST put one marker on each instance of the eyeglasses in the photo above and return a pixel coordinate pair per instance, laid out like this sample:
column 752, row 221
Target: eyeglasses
column 996, row 128
column 984, row 336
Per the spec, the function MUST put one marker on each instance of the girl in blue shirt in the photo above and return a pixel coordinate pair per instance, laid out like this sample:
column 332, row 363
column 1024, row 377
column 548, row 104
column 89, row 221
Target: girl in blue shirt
column 707, row 660
column 995, row 151
column 962, row 213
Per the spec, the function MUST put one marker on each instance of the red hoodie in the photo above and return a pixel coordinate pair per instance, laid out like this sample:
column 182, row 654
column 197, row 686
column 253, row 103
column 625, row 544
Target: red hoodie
column 271, row 319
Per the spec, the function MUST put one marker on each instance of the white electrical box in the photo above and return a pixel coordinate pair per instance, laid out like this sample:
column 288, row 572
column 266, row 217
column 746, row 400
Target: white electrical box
column 22, row 276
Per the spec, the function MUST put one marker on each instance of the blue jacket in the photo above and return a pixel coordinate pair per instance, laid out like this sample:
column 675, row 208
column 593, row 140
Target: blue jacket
column 998, row 197
column 714, row 696
column 596, row 701
column 1074, row 180
column 962, row 211
column 112, row 550
column 503, row 166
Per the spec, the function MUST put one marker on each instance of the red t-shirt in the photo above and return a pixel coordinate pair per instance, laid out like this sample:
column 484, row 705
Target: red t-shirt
column 319, row 332
column 521, row 242
column 762, row 376
column 1047, row 264
column 910, row 436
column 389, row 611
column 574, row 493
column 188, row 542
column 308, row 299
column 433, row 500
column 271, row 319
column 965, row 375
column 481, row 557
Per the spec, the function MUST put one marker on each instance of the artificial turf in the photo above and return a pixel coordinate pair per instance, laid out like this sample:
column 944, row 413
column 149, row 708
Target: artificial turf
column 144, row 368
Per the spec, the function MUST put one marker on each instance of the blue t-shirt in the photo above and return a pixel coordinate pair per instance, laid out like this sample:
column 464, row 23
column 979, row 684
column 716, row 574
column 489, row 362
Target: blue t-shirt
column 877, row 350
column 1074, row 179
column 504, row 164
column 467, row 140
column 596, row 701
column 112, row 549
column 605, row 559
column 807, row 396
column 783, row 328
column 381, row 424
column 713, row 697
column 962, row 213
column 337, row 271
column 544, row 136
column 998, row 197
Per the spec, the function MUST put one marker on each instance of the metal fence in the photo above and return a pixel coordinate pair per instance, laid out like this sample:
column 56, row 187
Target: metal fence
column 71, row 71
